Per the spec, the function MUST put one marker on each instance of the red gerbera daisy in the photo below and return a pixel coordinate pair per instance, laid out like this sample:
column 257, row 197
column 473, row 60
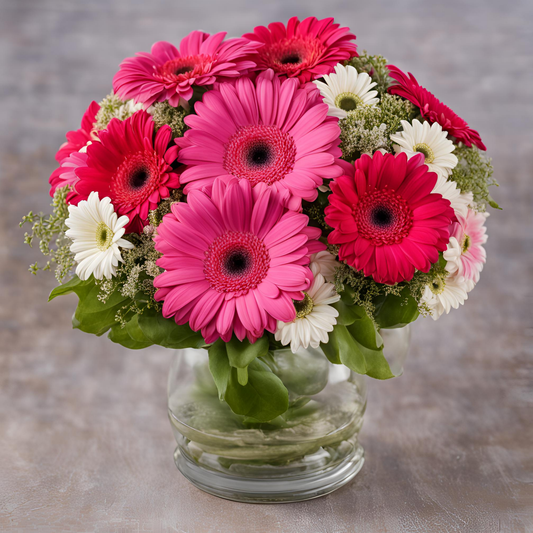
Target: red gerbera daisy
column 77, row 139
column 130, row 166
column 306, row 50
column 169, row 74
column 432, row 109
column 385, row 218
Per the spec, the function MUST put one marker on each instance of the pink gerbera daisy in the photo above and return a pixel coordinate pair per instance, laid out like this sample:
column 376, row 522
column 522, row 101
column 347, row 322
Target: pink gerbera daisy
column 233, row 261
column 131, row 166
column 385, row 218
column 465, row 255
column 66, row 174
column 79, row 138
column 269, row 132
column 433, row 109
column 305, row 50
column 170, row 74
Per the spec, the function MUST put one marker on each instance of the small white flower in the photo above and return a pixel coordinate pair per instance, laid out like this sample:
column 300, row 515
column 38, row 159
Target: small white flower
column 347, row 89
column 460, row 201
column 445, row 292
column 430, row 141
column 315, row 317
column 127, row 109
column 324, row 263
column 96, row 231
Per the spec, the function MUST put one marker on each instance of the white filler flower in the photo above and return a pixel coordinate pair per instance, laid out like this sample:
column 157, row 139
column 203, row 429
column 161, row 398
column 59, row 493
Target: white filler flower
column 96, row 231
column 347, row 89
column 445, row 292
column 430, row 141
column 315, row 317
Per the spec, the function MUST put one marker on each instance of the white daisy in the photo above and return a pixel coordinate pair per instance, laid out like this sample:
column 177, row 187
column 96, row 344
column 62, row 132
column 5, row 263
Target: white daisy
column 324, row 263
column 96, row 232
column 346, row 89
column 430, row 141
column 315, row 317
column 460, row 201
column 445, row 292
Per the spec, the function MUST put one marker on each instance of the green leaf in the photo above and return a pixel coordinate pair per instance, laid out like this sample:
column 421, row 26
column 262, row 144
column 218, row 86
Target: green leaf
column 348, row 314
column 347, row 349
column 219, row 366
column 241, row 354
column 165, row 332
column 262, row 396
column 121, row 336
column 91, row 315
column 395, row 311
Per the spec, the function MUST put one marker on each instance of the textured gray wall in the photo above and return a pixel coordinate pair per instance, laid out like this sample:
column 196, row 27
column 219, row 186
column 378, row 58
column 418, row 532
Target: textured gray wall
column 85, row 443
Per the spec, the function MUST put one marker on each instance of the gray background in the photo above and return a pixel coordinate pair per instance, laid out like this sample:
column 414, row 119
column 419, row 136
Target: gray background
column 84, row 440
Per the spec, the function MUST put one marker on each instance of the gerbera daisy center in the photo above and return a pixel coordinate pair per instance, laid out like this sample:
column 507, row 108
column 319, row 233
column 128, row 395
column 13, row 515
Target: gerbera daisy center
column 181, row 67
column 104, row 236
column 348, row 101
column 437, row 285
column 236, row 262
column 260, row 154
column 466, row 244
column 290, row 55
column 383, row 217
column 303, row 307
column 426, row 150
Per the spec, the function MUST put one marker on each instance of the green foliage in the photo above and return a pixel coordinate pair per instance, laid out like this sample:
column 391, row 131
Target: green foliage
column 356, row 343
column 165, row 114
column 113, row 107
column 252, row 390
column 92, row 315
column 156, row 216
column 368, row 128
column 375, row 67
column 395, row 311
column 474, row 173
column 50, row 231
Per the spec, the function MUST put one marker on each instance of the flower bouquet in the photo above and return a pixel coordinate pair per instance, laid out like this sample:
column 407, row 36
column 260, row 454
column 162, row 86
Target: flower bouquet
column 277, row 208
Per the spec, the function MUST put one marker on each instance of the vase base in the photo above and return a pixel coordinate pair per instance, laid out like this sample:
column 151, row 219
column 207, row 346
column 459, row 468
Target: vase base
column 271, row 490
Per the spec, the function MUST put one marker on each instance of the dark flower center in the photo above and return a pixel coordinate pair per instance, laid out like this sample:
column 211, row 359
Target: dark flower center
column 292, row 58
column 347, row 104
column 381, row 216
column 259, row 155
column 139, row 177
column 237, row 263
column 184, row 69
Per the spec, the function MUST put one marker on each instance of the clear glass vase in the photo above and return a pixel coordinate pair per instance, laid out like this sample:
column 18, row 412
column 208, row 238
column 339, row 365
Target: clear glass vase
column 311, row 450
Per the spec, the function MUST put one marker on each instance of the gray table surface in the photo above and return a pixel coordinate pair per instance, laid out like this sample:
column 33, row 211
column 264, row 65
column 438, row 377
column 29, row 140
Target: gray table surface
column 85, row 444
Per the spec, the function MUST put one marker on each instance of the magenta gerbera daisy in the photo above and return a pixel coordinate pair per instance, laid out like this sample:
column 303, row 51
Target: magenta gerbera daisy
column 432, row 109
column 270, row 132
column 386, row 220
column 77, row 139
column 66, row 174
column 130, row 165
column 306, row 50
column 233, row 261
column 169, row 73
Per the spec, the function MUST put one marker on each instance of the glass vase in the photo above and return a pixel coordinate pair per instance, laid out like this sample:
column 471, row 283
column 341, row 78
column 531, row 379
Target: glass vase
column 309, row 451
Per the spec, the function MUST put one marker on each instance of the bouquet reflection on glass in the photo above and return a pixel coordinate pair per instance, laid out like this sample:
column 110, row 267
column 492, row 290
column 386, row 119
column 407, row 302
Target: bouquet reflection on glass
column 278, row 209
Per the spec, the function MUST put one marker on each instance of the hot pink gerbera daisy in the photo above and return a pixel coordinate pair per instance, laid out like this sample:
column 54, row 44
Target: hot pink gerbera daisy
column 385, row 218
column 305, row 50
column 170, row 74
column 269, row 132
column 233, row 261
column 465, row 253
column 66, row 174
column 131, row 166
column 79, row 138
column 432, row 109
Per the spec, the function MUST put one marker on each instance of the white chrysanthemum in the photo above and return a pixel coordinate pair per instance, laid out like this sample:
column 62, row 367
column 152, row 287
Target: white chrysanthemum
column 445, row 292
column 96, row 231
column 324, row 263
column 460, row 201
column 346, row 89
column 315, row 317
column 430, row 141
